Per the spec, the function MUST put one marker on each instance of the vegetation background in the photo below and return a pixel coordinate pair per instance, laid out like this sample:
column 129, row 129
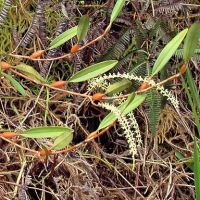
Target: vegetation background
column 102, row 168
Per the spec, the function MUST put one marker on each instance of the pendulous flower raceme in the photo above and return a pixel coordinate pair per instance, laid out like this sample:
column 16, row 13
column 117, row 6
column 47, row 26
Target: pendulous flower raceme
column 103, row 82
column 130, row 128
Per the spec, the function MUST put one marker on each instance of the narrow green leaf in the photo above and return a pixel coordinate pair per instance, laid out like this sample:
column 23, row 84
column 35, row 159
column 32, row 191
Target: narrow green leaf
column 30, row 72
column 93, row 71
column 45, row 132
column 193, row 105
column 117, row 10
column 168, row 52
column 191, row 41
column 63, row 140
column 196, row 170
column 15, row 84
column 193, row 89
column 134, row 104
column 83, row 27
column 187, row 161
column 63, row 37
column 126, row 107
column 118, row 87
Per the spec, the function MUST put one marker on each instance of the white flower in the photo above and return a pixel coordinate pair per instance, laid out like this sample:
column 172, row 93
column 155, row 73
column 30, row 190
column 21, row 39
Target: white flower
column 130, row 127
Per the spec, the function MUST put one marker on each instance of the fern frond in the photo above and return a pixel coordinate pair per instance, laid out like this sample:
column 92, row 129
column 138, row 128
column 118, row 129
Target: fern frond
column 122, row 65
column 15, row 35
column 157, row 27
column 179, row 54
column 4, row 11
column 118, row 49
column 61, row 27
column 153, row 102
column 125, row 21
column 140, row 34
column 42, row 23
column 169, row 8
column 138, row 70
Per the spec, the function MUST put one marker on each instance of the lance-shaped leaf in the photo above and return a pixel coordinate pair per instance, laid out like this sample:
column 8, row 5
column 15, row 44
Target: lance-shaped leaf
column 45, row 132
column 117, row 10
column 118, row 87
column 63, row 140
column 15, row 84
column 191, row 41
column 196, row 170
column 126, row 107
column 30, row 72
column 83, row 27
column 168, row 52
column 93, row 71
column 63, row 37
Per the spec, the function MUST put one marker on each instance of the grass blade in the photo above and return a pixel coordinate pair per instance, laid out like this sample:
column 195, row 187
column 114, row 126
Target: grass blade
column 196, row 170
column 191, row 41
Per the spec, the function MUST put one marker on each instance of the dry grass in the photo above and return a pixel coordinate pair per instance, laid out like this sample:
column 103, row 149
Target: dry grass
column 102, row 169
column 99, row 170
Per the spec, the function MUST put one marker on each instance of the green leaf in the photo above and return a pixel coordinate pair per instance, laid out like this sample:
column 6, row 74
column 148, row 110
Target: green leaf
column 118, row 87
column 134, row 104
column 15, row 84
column 193, row 89
column 45, row 132
column 190, row 89
column 117, row 10
column 126, row 107
column 93, row 71
column 30, row 72
column 196, row 170
column 191, row 41
column 63, row 140
column 188, row 162
column 83, row 27
column 168, row 52
column 63, row 37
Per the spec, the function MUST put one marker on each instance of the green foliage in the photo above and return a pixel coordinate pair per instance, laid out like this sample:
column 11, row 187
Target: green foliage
column 126, row 107
column 191, row 41
column 196, row 56
column 117, row 50
column 168, row 51
column 63, row 135
column 93, row 71
column 196, row 170
column 15, row 84
column 188, row 161
column 64, row 37
column 118, row 87
column 153, row 102
column 83, row 27
column 45, row 132
column 116, row 10
column 137, row 44
column 30, row 72
column 193, row 97
column 63, row 140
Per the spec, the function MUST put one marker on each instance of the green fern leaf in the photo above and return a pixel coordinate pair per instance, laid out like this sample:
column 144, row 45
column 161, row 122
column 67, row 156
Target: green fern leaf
column 153, row 102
